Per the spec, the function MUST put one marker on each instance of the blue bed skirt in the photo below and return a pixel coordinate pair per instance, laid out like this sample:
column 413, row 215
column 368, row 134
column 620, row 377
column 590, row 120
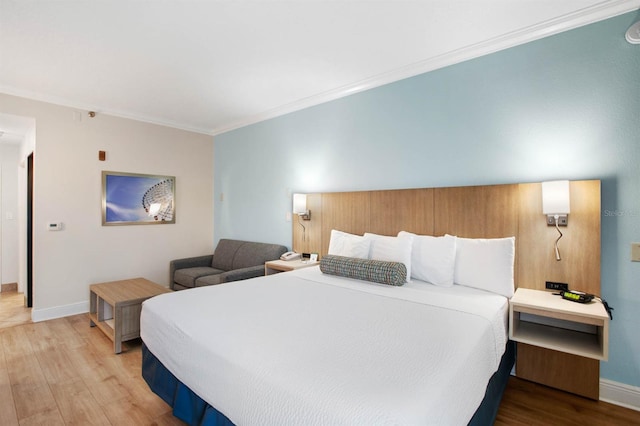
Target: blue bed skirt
column 190, row 408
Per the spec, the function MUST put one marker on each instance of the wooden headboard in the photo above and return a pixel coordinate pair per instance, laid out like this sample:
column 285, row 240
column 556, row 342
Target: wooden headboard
column 492, row 211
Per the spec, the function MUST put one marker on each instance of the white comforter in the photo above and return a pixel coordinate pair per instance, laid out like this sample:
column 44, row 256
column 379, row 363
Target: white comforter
column 304, row 348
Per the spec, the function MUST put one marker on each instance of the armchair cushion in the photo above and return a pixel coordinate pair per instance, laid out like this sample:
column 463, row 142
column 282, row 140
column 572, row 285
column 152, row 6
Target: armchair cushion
column 209, row 280
column 244, row 273
column 188, row 276
column 224, row 254
column 256, row 254
column 233, row 275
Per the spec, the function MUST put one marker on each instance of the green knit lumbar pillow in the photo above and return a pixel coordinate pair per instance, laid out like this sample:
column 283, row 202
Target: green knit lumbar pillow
column 377, row 271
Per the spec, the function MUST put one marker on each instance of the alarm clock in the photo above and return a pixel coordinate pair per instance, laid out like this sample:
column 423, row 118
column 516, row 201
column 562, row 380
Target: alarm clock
column 577, row 296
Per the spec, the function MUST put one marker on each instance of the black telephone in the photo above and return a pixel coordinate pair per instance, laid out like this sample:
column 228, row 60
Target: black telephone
column 577, row 296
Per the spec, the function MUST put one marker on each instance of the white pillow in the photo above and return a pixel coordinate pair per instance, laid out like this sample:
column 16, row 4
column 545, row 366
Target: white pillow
column 348, row 245
column 486, row 264
column 393, row 249
column 433, row 259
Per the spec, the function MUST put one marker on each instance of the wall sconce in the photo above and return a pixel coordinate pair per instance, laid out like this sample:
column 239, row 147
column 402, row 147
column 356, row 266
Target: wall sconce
column 300, row 206
column 556, row 206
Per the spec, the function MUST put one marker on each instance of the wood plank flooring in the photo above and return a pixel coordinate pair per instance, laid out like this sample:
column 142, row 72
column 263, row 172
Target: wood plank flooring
column 528, row 403
column 63, row 372
column 12, row 310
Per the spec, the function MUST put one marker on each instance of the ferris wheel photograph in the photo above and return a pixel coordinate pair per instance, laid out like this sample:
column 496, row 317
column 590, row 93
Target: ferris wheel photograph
column 137, row 199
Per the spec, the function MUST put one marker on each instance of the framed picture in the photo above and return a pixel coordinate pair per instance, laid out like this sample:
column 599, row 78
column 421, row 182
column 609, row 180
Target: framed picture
column 137, row 199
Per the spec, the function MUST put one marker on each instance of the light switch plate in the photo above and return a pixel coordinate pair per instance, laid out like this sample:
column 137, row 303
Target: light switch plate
column 563, row 220
column 635, row 252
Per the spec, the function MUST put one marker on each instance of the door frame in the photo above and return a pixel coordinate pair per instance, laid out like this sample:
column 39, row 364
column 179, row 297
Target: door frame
column 29, row 289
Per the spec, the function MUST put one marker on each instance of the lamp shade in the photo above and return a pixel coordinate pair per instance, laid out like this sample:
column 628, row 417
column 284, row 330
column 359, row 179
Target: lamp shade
column 299, row 203
column 555, row 197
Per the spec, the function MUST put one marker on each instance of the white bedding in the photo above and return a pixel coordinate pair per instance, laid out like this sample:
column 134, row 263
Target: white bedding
column 304, row 348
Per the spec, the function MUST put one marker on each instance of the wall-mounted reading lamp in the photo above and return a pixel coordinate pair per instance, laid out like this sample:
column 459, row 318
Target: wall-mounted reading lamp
column 300, row 208
column 556, row 206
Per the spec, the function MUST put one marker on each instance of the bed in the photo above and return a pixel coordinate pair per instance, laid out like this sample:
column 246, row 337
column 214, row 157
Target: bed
column 305, row 348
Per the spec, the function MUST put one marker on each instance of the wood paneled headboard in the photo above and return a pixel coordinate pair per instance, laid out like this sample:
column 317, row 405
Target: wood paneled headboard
column 474, row 212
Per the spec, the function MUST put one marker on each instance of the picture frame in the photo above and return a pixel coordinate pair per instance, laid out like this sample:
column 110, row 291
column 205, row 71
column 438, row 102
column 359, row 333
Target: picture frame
column 137, row 199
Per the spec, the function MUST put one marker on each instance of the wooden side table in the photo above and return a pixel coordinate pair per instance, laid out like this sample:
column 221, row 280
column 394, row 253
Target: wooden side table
column 275, row 266
column 560, row 343
column 115, row 307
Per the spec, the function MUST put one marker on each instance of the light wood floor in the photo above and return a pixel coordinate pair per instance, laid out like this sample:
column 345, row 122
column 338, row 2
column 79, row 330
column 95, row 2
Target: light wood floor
column 12, row 310
column 63, row 372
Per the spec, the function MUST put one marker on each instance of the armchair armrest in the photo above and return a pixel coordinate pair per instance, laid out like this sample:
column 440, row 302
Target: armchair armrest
column 242, row 274
column 188, row 262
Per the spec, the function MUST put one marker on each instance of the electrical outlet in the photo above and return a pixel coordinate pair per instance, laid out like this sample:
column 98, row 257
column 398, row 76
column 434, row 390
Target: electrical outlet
column 635, row 252
column 550, row 285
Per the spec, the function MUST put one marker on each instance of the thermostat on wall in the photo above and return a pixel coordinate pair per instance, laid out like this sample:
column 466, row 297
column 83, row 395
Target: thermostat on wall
column 54, row 226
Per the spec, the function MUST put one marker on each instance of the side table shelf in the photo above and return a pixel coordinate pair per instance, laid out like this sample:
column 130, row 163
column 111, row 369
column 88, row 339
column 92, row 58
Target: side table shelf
column 101, row 314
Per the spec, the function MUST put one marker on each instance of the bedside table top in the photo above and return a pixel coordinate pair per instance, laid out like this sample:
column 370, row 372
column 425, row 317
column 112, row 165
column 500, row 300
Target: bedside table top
column 539, row 299
column 289, row 265
column 297, row 262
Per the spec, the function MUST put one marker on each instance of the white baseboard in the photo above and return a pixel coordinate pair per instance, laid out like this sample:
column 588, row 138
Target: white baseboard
column 38, row 315
column 620, row 394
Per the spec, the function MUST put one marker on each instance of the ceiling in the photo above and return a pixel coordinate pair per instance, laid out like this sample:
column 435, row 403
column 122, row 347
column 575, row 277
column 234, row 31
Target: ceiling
column 212, row 66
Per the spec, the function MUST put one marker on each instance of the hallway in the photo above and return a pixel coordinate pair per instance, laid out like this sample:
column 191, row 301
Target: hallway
column 12, row 310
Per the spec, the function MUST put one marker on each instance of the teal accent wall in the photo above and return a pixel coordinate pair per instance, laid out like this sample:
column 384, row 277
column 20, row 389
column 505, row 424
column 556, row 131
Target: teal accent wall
column 565, row 107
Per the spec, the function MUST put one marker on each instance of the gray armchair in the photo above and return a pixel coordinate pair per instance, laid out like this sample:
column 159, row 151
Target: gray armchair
column 232, row 260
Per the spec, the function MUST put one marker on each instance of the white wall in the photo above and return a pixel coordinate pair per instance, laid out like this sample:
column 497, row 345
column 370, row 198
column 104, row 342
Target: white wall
column 9, row 154
column 67, row 188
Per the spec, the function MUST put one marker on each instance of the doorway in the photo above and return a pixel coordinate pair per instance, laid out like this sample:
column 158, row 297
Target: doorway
column 18, row 140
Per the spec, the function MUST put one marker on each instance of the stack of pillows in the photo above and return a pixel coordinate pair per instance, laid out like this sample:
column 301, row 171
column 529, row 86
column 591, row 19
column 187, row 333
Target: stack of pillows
column 486, row 264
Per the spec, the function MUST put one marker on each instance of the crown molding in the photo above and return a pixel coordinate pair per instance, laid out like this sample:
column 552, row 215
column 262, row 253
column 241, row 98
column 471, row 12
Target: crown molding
column 602, row 11
column 112, row 112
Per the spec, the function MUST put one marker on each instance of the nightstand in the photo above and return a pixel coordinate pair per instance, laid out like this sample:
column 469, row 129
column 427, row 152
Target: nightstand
column 275, row 266
column 560, row 343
